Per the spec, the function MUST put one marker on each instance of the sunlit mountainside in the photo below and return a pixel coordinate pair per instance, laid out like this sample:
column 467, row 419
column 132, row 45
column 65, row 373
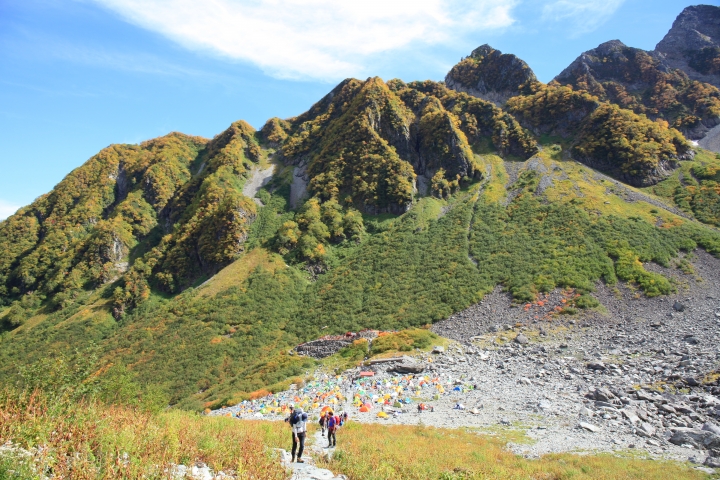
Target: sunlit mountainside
column 198, row 264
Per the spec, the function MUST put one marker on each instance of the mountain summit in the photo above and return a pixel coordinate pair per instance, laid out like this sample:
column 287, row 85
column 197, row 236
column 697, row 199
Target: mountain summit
column 693, row 43
column 490, row 74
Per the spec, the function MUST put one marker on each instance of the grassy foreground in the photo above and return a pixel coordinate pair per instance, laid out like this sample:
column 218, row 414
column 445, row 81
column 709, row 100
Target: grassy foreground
column 91, row 440
column 379, row 452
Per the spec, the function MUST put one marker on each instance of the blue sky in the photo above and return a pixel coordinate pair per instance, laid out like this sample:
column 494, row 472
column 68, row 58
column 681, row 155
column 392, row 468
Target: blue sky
column 79, row 75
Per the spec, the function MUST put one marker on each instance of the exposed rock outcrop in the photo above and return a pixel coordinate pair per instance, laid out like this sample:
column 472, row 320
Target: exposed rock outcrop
column 612, row 61
column 490, row 74
column 693, row 43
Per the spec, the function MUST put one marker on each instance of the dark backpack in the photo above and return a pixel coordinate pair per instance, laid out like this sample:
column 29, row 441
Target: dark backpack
column 294, row 418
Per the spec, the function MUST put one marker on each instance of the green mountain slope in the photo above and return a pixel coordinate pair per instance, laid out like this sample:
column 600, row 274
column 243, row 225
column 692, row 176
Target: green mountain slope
column 392, row 205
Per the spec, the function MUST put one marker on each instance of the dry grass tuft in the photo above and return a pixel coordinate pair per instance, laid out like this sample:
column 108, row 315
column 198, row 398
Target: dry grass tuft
column 95, row 441
column 375, row 452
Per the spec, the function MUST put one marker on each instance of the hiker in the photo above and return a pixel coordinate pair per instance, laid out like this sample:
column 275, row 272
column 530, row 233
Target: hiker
column 333, row 422
column 323, row 421
column 297, row 421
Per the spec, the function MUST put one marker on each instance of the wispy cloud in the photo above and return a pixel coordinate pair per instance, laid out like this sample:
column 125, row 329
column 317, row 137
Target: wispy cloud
column 582, row 16
column 7, row 209
column 49, row 91
column 46, row 45
column 129, row 62
column 320, row 39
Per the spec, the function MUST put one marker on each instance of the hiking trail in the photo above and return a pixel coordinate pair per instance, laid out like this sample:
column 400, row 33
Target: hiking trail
column 308, row 470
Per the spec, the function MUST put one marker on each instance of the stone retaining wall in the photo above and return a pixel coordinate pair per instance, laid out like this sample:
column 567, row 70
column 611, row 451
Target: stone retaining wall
column 331, row 344
column 322, row 348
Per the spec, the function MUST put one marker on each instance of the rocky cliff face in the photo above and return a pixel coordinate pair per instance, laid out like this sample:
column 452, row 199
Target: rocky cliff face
column 490, row 74
column 613, row 61
column 693, row 44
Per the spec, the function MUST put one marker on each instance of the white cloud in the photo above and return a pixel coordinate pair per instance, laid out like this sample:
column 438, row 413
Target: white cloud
column 320, row 39
column 7, row 209
column 582, row 15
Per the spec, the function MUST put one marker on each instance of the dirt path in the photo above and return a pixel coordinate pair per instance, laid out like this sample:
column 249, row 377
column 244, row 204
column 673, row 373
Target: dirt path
column 309, row 470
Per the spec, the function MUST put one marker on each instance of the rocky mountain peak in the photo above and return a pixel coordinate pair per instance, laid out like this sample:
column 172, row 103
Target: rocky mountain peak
column 695, row 28
column 484, row 51
column 490, row 74
column 693, row 43
column 610, row 46
column 609, row 61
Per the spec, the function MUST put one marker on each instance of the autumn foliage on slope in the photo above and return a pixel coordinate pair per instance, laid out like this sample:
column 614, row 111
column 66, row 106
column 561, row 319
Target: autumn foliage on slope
column 631, row 147
column 639, row 81
column 172, row 207
column 365, row 142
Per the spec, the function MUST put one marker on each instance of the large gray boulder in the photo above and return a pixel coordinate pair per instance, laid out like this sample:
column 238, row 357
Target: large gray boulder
column 696, row 437
column 407, row 365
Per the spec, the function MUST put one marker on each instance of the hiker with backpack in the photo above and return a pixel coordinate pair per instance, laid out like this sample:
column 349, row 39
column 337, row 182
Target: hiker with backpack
column 323, row 421
column 297, row 421
column 333, row 422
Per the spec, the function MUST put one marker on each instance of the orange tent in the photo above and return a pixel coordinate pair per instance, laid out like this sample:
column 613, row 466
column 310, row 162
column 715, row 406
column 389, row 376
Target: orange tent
column 364, row 409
